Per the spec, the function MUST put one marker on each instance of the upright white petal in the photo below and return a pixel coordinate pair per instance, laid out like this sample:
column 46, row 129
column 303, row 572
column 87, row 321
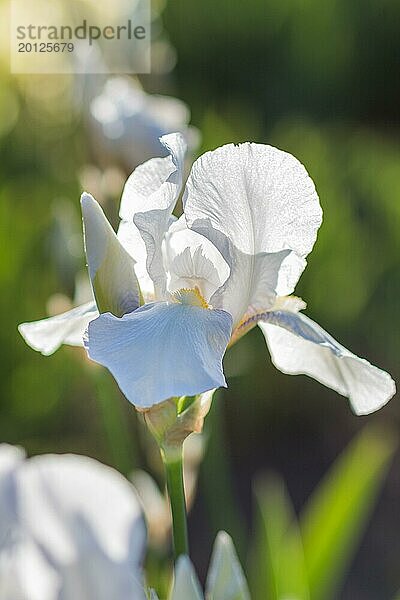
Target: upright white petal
column 250, row 200
column 47, row 335
column 162, row 350
column 186, row 585
column 149, row 197
column 111, row 268
column 225, row 580
column 289, row 273
column 260, row 197
column 252, row 283
column 76, row 531
column 299, row 346
column 192, row 260
column 148, row 179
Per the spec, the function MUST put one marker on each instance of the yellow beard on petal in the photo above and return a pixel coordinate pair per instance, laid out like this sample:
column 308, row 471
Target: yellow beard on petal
column 245, row 325
column 190, row 296
column 250, row 319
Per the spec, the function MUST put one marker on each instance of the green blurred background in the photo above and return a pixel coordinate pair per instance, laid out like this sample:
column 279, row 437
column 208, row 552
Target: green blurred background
column 319, row 80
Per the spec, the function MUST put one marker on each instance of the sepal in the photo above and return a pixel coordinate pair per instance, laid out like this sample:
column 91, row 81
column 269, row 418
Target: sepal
column 172, row 421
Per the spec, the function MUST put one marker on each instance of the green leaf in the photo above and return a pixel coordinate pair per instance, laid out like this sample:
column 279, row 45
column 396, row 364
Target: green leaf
column 337, row 513
column 278, row 561
column 217, row 480
column 225, row 580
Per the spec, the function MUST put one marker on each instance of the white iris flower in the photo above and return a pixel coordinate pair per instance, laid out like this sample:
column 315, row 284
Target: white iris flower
column 173, row 294
column 70, row 529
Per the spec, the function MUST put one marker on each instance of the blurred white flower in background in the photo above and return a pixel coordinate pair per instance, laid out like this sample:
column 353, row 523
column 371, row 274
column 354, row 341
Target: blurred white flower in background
column 56, row 102
column 126, row 123
column 70, row 529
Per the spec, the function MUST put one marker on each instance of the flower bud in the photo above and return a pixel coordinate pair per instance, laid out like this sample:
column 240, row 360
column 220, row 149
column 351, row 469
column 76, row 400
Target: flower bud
column 172, row 421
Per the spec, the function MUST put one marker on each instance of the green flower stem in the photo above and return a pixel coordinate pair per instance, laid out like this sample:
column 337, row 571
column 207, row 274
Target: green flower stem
column 173, row 463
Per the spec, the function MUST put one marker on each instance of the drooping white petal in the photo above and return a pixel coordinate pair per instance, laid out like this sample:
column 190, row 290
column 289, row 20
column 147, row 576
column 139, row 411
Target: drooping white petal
column 192, row 260
column 80, row 522
column 225, row 580
column 162, row 350
column 149, row 197
column 111, row 268
column 186, row 584
column 249, row 200
column 47, row 335
column 300, row 346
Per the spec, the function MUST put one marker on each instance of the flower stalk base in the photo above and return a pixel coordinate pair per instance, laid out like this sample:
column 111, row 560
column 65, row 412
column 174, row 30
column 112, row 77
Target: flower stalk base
column 173, row 463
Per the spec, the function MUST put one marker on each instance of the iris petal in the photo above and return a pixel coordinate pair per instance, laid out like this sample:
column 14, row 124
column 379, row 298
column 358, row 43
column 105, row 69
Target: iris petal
column 162, row 350
column 149, row 197
column 260, row 197
column 251, row 200
column 300, row 346
column 47, row 335
column 192, row 260
column 251, row 284
column 111, row 267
